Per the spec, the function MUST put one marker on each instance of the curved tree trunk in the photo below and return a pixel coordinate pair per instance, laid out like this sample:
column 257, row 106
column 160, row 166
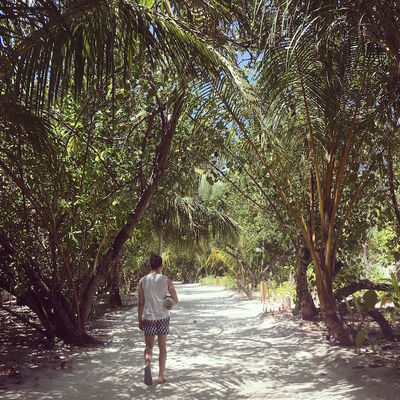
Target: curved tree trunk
column 48, row 301
column 241, row 283
column 61, row 300
column 57, row 317
column 375, row 314
column 160, row 244
column 169, row 124
column 115, row 296
column 384, row 325
column 359, row 285
column 304, row 302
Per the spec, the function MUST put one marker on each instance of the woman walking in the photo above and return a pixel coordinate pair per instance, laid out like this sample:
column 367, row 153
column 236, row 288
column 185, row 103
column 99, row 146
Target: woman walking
column 153, row 315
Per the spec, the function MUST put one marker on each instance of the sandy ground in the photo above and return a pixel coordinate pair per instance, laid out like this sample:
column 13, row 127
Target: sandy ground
column 220, row 347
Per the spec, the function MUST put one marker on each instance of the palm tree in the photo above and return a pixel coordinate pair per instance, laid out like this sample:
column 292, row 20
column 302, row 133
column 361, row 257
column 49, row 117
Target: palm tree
column 322, row 91
column 339, row 111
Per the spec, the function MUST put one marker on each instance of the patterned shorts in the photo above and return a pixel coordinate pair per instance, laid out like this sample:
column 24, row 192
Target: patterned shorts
column 156, row 327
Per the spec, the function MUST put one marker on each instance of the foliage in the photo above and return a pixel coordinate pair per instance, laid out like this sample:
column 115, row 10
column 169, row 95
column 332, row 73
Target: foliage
column 129, row 127
column 366, row 302
column 394, row 293
column 384, row 247
column 280, row 290
column 94, row 129
column 225, row 280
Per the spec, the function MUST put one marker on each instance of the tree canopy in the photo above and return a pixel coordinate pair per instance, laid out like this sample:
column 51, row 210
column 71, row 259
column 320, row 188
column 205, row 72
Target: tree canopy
column 252, row 139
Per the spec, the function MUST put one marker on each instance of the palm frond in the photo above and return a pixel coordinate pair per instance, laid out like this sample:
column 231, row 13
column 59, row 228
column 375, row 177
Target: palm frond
column 16, row 118
column 218, row 256
column 76, row 45
column 188, row 219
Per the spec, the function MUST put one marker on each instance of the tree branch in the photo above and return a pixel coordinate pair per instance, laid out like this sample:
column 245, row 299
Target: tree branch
column 384, row 325
column 359, row 285
column 25, row 190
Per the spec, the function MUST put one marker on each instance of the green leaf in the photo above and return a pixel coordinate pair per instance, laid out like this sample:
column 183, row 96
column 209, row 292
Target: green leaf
column 370, row 299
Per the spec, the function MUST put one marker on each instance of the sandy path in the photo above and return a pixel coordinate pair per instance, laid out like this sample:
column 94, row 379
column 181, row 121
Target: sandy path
column 228, row 353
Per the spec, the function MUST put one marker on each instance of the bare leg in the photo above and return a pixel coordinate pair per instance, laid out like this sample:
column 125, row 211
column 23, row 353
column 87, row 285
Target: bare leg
column 162, row 345
column 148, row 351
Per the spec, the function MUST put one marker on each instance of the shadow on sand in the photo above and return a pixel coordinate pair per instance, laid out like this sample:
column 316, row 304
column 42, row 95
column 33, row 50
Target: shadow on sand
column 218, row 349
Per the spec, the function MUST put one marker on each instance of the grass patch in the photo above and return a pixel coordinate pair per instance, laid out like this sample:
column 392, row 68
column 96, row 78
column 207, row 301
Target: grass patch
column 284, row 287
column 228, row 282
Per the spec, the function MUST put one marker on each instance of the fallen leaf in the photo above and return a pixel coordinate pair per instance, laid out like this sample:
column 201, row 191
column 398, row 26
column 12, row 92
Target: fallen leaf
column 65, row 365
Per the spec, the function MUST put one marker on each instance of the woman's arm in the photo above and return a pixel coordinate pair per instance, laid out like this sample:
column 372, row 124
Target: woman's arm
column 140, row 305
column 172, row 291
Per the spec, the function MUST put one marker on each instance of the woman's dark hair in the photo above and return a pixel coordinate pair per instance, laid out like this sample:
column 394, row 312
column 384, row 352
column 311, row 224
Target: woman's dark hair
column 155, row 262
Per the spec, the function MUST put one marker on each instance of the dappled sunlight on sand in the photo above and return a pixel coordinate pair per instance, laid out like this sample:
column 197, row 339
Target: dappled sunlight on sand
column 218, row 348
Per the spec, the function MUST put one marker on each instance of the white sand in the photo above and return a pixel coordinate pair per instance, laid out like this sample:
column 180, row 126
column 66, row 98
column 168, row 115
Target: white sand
column 228, row 353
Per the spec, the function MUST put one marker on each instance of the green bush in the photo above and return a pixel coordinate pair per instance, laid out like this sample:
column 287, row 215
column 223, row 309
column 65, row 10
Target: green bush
column 284, row 287
column 229, row 282
column 394, row 292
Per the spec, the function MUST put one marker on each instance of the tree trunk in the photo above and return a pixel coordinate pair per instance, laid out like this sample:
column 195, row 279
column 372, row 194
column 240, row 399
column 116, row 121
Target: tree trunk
column 49, row 298
column 238, row 270
column 199, row 271
column 251, row 273
column 342, row 333
column 324, row 267
column 359, row 285
column 375, row 314
column 49, row 302
column 239, row 281
column 304, row 302
column 56, row 315
column 384, row 325
column 160, row 244
column 366, row 257
column 115, row 296
column 336, row 327
column 169, row 125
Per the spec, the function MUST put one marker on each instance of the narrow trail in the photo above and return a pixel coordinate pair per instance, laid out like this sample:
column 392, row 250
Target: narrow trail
column 219, row 348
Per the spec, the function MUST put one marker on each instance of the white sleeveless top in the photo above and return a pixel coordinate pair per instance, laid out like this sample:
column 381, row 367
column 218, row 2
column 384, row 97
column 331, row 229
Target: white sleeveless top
column 155, row 288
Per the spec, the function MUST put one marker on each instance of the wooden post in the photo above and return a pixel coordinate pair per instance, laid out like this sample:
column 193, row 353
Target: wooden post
column 263, row 293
